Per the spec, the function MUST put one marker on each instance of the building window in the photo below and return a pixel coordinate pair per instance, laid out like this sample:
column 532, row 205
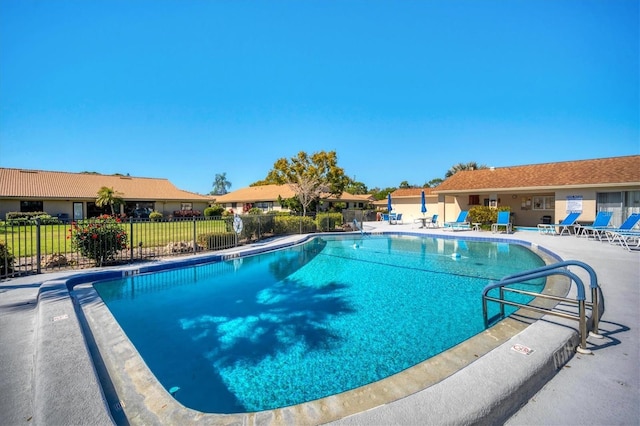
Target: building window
column 544, row 203
column 474, row 200
column 31, row 206
column 186, row 206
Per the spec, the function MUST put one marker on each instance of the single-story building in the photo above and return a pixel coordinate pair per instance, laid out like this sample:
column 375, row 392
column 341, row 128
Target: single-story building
column 536, row 193
column 73, row 195
column 266, row 197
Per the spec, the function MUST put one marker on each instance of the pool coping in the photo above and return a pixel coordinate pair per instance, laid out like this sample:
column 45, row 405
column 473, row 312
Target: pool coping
column 134, row 393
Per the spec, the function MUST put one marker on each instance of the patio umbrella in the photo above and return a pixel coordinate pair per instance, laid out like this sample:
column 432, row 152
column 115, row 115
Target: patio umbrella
column 389, row 205
column 423, row 209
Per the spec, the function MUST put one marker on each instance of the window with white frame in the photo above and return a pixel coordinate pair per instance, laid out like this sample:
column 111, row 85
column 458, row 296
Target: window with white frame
column 186, row 206
column 544, row 203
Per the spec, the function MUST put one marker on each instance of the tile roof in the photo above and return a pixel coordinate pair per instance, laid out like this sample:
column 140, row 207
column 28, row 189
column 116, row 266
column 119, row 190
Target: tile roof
column 411, row 192
column 63, row 185
column 615, row 171
column 252, row 194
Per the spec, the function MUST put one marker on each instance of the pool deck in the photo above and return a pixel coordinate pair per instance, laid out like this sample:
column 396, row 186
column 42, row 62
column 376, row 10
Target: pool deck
column 43, row 383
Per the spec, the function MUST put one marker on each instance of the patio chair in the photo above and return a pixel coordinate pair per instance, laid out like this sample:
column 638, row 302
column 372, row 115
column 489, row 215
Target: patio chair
column 396, row 219
column 562, row 227
column 598, row 226
column 627, row 239
column 434, row 222
column 460, row 223
column 504, row 219
column 624, row 233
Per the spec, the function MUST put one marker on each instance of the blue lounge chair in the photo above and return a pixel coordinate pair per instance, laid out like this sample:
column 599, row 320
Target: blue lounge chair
column 596, row 229
column 396, row 218
column 625, row 233
column 504, row 219
column 460, row 223
column 562, row 227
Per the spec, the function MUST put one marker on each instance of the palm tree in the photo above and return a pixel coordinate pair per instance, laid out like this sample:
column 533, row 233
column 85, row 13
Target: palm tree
column 472, row 165
column 109, row 197
column 220, row 184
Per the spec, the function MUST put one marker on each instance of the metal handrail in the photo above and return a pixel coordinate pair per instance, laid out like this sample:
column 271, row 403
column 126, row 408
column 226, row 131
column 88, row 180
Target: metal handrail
column 593, row 284
column 559, row 268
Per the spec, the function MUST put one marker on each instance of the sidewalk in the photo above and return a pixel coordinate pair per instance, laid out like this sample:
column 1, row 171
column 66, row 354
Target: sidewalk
column 603, row 388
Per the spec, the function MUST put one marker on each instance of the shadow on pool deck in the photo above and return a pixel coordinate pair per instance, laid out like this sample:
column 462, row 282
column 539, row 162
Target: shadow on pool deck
column 52, row 381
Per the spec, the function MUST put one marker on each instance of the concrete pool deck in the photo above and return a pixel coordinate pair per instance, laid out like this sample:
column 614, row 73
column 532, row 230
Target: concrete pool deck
column 40, row 387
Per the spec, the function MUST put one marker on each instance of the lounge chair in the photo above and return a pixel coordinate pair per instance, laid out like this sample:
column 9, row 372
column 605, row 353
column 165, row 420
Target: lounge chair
column 396, row 219
column 625, row 233
column 562, row 227
column 460, row 223
column 627, row 239
column 434, row 222
column 596, row 229
column 504, row 219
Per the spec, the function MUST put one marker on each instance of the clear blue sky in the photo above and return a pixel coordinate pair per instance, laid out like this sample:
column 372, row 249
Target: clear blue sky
column 400, row 90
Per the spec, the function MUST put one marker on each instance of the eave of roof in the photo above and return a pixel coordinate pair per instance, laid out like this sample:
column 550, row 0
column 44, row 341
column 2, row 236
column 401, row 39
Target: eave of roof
column 21, row 183
column 603, row 172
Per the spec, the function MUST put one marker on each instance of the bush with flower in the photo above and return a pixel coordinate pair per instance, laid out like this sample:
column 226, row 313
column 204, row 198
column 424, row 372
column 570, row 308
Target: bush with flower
column 99, row 239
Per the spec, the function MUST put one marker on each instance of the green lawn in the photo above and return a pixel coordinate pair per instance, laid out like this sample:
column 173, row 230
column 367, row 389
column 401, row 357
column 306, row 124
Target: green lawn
column 22, row 240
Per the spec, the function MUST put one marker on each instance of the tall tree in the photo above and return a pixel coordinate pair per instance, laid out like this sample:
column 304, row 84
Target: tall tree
column 356, row 188
column 309, row 176
column 220, row 184
column 472, row 165
column 433, row 183
column 109, row 197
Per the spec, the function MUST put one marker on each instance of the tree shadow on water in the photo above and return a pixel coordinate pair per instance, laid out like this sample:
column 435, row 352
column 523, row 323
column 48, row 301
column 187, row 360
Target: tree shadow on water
column 289, row 314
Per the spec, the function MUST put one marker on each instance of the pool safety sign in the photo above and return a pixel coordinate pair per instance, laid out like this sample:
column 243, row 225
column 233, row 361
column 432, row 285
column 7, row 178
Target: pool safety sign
column 237, row 224
column 522, row 349
column 574, row 203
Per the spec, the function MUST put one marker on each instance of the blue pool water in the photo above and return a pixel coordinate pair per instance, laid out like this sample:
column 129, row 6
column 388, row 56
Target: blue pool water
column 294, row 325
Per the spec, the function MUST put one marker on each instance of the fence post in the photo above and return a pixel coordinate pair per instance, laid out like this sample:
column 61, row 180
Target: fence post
column 38, row 248
column 195, row 244
column 131, row 239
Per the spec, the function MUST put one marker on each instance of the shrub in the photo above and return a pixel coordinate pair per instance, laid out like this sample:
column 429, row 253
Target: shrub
column 99, row 239
column 25, row 218
column 6, row 260
column 293, row 225
column 186, row 213
column 155, row 216
column 217, row 240
column 213, row 211
column 484, row 214
column 329, row 221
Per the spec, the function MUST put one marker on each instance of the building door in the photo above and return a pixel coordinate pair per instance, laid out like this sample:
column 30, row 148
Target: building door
column 77, row 211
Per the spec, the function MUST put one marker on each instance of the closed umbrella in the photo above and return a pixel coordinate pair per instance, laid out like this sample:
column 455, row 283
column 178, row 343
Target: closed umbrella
column 389, row 205
column 423, row 209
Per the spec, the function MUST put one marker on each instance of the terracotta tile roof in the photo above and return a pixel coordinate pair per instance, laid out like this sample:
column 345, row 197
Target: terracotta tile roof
column 411, row 192
column 254, row 194
column 603, row 171
column 21, row 183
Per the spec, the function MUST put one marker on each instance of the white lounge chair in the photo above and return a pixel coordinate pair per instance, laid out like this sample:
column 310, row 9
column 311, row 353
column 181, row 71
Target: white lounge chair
column 559, row 228
column 460, row 224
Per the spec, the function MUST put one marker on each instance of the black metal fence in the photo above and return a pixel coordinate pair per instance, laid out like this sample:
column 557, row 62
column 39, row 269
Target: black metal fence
column 35, row 247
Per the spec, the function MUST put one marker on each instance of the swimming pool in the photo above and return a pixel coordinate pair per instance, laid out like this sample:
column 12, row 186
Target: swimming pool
column 333, row 314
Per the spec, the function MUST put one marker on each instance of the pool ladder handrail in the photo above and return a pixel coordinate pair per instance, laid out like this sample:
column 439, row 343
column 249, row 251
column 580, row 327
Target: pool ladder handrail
column 560, row 268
